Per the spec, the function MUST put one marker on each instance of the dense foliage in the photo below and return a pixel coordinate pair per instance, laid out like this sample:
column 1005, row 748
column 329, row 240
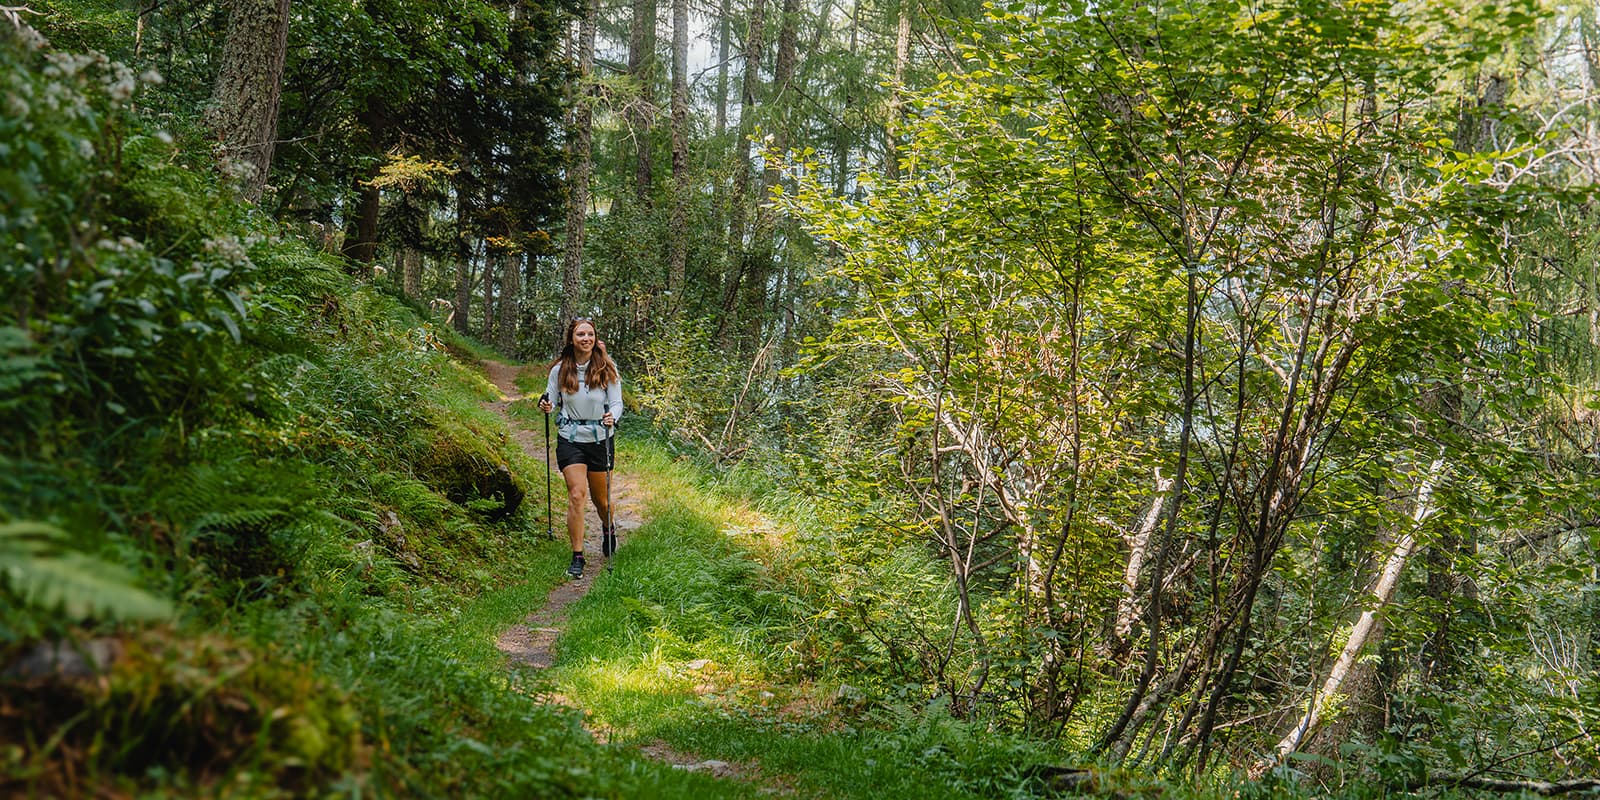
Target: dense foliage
column 207, row 426
column 1206, row 389
column 1189, row 331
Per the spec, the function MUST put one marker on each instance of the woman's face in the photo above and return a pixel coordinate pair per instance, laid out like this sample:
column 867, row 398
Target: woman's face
column 583, row 340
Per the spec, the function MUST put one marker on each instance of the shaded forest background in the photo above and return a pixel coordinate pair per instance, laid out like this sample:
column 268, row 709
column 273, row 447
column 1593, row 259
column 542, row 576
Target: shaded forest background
column 1203, row 388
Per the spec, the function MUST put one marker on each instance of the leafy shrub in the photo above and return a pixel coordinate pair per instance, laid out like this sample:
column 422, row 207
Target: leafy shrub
column 125, row 280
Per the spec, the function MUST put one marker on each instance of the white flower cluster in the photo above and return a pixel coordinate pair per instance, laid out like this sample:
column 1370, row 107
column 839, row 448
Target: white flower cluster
column 118, row 79
column 124, row 244
column 227, row 250
column 31, row 39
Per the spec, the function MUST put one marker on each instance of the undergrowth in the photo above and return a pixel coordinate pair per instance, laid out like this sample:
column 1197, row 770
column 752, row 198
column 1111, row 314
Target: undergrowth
column 244, row 499
column 691, row 641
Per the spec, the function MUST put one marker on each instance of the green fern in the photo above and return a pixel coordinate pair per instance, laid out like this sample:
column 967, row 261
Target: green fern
column 38, row 564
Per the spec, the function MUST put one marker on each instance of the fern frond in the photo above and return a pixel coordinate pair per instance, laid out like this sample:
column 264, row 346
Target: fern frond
column 40, row 567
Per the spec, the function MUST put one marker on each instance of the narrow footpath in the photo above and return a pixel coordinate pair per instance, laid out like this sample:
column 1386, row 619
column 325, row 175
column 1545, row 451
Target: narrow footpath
column 530, row 643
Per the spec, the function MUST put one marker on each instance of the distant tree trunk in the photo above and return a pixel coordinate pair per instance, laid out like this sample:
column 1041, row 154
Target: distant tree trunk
column 842, row 142
column 361, row 245
column 641, row 112
column 244, row 103
column 510, row 299
column 738, row 258
column 489, row 260
column 411, row 273
column 762, row 244
column 902, row 55
column 724, row 33
column 678, row 227
column 580, row 166
column 463, row 258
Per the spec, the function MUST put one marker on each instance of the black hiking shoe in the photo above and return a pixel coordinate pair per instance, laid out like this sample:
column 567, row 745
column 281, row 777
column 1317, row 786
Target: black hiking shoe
column 608, row 542
column 575, row 569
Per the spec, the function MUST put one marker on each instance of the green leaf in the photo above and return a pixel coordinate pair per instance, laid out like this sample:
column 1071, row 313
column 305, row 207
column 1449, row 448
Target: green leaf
column 43, row 569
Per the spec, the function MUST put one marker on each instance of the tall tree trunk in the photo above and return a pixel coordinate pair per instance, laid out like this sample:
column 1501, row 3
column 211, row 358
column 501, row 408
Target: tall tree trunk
column 580, row 166
column 724, row 34
column 361, row 243
column 762, row 246
column 738, row 258
column 902, row 56
column 1366, row 628
column 244, row 103
column 510, row 301
column 842, row 141
column 489, row 262
column 641, row 110
column 411, row 273
column 678, row 227
column 463, row 257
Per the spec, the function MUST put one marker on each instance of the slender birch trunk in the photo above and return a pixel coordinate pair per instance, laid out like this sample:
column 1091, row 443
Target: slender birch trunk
column 1365, row 630
column 1138, row 547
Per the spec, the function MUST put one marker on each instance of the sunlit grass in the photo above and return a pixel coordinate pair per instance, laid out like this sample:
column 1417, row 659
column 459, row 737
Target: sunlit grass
column 684, row 642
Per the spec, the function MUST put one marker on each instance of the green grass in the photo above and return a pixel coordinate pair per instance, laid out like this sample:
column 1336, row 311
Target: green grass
column 685, row 643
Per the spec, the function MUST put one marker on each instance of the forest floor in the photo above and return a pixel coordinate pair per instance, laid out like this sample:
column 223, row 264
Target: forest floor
column 531, row 644
column 691, row 659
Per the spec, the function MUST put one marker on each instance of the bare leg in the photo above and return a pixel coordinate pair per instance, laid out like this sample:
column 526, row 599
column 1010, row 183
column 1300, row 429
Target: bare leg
column 602, row 501
column 578, row 480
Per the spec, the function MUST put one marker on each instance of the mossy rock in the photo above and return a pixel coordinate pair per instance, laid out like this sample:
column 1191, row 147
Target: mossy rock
column 197, row 710
column 470, row 476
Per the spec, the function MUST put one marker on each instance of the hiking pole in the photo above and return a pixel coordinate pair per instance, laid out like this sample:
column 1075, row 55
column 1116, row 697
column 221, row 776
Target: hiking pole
column 608, row 537
column 549, row 515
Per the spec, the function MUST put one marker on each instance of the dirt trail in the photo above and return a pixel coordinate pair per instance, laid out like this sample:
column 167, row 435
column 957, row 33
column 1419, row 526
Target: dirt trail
column 529, row 643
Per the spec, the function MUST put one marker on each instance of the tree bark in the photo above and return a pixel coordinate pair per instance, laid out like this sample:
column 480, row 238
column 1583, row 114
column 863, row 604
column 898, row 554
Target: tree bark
column 1138, row 547
column 580, row 166
column 361, row 244
column 641, row 110
column 411, row 273
column 724, row 34
column 510, row 303
column 1379, row 595
column 762, row 246
column 489, row 306
column 843, row 141
column 738, row 215
column 902, row 56
column 244, row 103
column 678, row 226
column 463, row 306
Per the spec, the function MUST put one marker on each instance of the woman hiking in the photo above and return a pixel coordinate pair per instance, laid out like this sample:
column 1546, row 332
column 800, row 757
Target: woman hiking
column 586, row 390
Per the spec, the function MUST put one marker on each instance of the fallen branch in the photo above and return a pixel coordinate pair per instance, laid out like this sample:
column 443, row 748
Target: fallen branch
column 1545, row 788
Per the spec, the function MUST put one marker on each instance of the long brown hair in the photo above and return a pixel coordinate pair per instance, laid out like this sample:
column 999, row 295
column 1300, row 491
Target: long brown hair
column 602, row 370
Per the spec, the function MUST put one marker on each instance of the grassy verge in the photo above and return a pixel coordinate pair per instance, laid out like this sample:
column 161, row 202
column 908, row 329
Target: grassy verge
column 688, row 643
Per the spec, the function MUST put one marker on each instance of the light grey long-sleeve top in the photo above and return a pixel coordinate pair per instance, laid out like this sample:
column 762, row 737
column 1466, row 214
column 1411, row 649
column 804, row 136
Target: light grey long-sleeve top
column 579, row 414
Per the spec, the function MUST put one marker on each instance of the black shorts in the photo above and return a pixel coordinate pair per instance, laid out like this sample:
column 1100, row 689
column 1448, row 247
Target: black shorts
column 591, row 454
